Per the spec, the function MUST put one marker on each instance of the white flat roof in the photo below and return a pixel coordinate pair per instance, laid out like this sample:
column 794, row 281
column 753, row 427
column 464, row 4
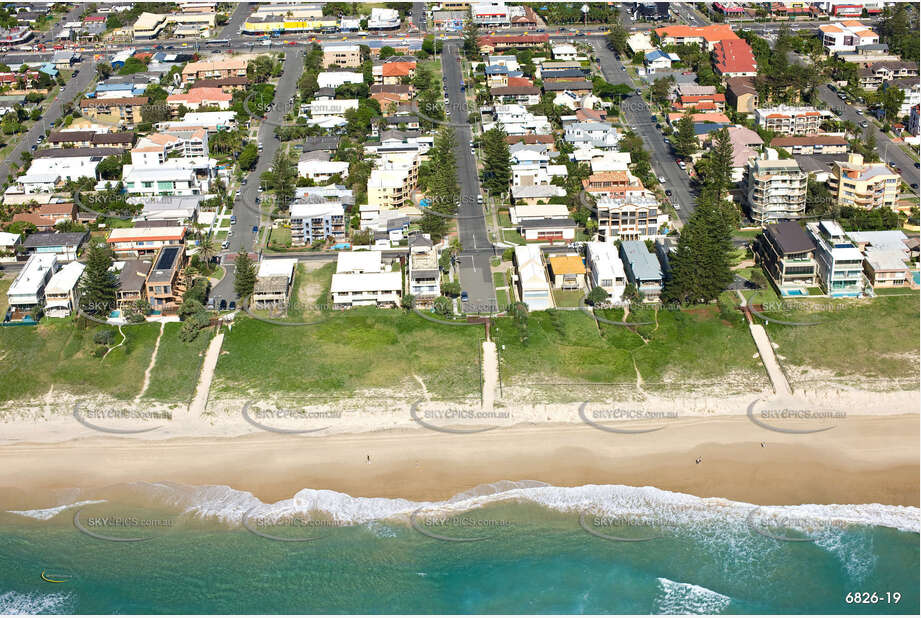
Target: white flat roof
column 299, row 211
column 278, row 268
column 366, row 282
column 367, row 261
column 32, row 274
column 65, row 279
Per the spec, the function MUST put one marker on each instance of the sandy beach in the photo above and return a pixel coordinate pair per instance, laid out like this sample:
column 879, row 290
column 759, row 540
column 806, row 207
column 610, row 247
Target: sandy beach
column 862, row 459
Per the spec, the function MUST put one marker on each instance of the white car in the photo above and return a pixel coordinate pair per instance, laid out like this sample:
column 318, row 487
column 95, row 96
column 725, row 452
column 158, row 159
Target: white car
column 676, row 205
column 662, row 179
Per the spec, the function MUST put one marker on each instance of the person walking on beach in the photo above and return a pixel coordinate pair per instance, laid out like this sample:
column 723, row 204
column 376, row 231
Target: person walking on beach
column 698, row 460
column 369, row 459
column 762, row 445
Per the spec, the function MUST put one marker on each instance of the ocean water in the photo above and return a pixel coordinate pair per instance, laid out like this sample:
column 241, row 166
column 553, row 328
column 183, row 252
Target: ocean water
column 510, row 547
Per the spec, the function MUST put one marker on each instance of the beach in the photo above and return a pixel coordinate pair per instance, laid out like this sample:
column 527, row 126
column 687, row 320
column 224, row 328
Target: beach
column 860, row 460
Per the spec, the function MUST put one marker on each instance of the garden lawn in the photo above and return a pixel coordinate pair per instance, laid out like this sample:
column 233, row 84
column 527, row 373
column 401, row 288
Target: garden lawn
column 175, row 374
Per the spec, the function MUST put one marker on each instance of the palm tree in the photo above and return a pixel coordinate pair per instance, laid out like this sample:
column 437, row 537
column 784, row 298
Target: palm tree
column 207, row 249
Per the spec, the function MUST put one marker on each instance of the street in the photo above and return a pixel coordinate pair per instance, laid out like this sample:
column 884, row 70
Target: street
column 473, row 260
column 638, row 117
column 245, row 207
column 70, row 90
column 235, row 23
column 888, row 151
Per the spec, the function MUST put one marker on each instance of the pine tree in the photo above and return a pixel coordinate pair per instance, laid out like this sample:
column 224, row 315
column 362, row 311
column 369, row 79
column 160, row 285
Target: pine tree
column 720, row 173
column 701, row 264
column 245, row 275
column 471, row 32
column 98, row 285
column 685, row 141
column 497, row 164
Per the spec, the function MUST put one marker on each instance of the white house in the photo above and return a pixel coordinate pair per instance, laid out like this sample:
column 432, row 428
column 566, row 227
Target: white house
column 160, row 181
column 321, row 171
column 8, row 244
column 565, row 52
column 605, row 269
column 68, row 168
column 28, row 289
column 331, row 107
column 596, row 134
column 61, row 293
column 334, row 79
column 361, row 279
column 533, row 287
column 656, row 61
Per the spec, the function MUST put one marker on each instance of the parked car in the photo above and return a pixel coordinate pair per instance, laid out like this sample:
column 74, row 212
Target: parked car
column 233, row 219
column 668, row 192
column 225, row 244
column 662, row 180
column 864, row 124
column 464, row 297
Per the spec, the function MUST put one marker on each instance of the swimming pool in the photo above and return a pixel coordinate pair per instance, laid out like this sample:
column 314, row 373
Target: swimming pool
column 793, row 292
column 916, row 277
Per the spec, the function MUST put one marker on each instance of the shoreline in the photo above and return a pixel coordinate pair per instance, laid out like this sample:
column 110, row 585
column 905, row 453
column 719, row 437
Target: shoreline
column 862, row 460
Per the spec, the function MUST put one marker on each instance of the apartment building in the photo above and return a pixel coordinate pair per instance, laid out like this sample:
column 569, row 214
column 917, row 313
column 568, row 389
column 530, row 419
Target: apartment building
column 776, row 190
column 214, row 69
column 154, row 150
column 787, row 254
column 864, row 185
column 886, row 257
column 695, row 35
column 789, row 120
column 615, row 184
column 633, row 218
column 874, row 76
column 595, row 134
column 197, row 98
column 116, row 111
column 314, row 222
column 839, row 262
column 424, row 273
column 346, row 55
column 742, row 95
column 393, row 180
column 164, row 285
column 273, row 283
column 605, row 269
column 734, row 58
column 811, row 144
column 160, row 181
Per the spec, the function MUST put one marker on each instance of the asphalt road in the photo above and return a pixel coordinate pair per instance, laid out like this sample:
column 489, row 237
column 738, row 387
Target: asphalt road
column 639, row 118
column 70, row 90
column 245, row 208
column 235, row 23
column 418, row 15
column 473, row 261
column 888, row 151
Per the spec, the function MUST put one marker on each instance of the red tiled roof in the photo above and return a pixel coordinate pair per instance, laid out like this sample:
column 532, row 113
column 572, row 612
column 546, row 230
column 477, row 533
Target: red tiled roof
column 734, row 56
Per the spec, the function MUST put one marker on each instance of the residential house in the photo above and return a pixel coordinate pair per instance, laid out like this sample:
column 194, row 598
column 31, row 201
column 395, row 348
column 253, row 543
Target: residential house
column 522, row 95
column 319, row 170
column 424, row 273
column 577, row 87
column 874, row 76
column 393, row 72
column 9, row 245
column 789, row 120
column 160, row 180
column 182, row 209
column 864, row 185
column 164, row 283
column 331, row 108
column 391, row 95
column 334, row 79
column 543, row 222
column 776, row 190
column 533, row 288
column 46, row 216
column 701, row 103
column 226, row 84
column 911, row 93
column 642, row 269
column 787, row 254
column 886, row 257
column 564, row 51
column 26, row 294
column 615, row 184
column 197, row 98
column 839, row 262
column 605, row 269
column 745, row 146
column 657, row 61
column 61, row 292
column 362, row 279
column 316, row 221
column 273, row 283
column 533, row 195
column 567, row 272
column 65, row 246
column 141, row 241
column 132, row 277
column 595, row 134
